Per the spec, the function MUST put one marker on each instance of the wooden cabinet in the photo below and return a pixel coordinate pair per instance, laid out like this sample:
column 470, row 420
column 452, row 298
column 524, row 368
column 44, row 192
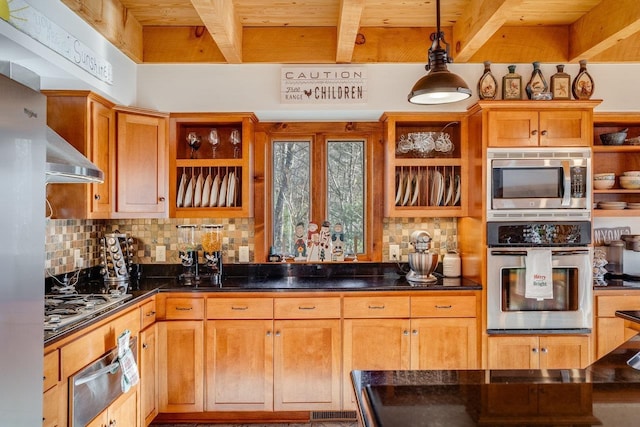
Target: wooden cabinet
column 148, row 368
column 122, row 412
column 239, row 354
column 141, row 164
column 425, row 164
column 616, row 159
column 51, row 396
column 307, row 349
column 444, row 332
column 87, row 121
column 227, row 170
column 180, row 353
column 538, row 352
column 610, row 331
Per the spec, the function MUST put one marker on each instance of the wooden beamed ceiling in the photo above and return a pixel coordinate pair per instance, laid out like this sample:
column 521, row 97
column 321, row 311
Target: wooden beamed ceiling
column 365, row 31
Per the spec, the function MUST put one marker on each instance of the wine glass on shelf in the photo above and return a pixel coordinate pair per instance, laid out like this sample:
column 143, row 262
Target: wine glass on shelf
column 193, row 139
column 234, row 139
column 214, row 140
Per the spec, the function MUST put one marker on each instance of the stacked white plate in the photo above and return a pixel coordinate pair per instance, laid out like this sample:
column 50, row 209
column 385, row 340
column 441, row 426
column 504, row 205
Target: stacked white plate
column 633, row 205
column 612, row 205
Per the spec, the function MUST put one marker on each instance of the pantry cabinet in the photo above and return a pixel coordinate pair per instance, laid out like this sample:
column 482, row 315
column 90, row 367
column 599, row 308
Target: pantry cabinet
column 617, row 159
column 425, row 164
column 141, row 164
column 538, row 352
column 86, row 121
column 211, row 165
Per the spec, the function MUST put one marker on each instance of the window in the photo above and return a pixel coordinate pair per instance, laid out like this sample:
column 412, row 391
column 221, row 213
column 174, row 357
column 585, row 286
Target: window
column 309, row 188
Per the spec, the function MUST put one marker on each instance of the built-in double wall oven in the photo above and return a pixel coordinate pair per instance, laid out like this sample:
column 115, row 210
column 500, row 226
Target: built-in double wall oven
column 539, row 277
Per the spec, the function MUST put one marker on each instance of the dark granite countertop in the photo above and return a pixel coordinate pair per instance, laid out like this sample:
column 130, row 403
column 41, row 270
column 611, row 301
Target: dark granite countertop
column 272, row 277
column 606, row 393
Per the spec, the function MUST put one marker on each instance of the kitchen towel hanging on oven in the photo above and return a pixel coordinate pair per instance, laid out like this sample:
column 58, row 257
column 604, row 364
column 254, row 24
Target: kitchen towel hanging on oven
column 539, row 274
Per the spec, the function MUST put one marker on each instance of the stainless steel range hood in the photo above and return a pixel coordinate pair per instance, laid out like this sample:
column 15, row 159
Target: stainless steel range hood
column 64, row 164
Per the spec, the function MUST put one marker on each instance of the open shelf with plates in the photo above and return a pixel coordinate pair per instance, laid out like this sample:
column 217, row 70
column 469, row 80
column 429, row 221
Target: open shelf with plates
column 617, row 159
column 425, row 164
column 211, row 165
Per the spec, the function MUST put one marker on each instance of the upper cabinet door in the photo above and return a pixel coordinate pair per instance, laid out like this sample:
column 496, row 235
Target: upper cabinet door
column 513, row 128
column 101, row 151
column 141, row 156
column 565, row 128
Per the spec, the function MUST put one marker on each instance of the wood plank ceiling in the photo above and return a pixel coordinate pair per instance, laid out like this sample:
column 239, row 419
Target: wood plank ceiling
column 365, row 31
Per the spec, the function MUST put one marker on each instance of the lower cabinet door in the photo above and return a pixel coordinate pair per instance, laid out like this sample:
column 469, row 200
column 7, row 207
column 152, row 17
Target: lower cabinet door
column 181, row 363
column 239, row 365
column 148, row 366
column 444, row 343
column 50, row 405
column 307, row 365
column 513, row 352
column 373, row 344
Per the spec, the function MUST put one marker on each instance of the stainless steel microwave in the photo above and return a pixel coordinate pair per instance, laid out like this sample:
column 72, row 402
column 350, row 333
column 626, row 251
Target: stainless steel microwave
column 538, row 183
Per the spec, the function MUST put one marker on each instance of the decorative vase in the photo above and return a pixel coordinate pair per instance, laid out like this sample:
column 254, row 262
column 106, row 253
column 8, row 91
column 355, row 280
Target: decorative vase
column 537, row 84
column 512, row 84
column 487, row 85
column 560, row 83
column 583, row 85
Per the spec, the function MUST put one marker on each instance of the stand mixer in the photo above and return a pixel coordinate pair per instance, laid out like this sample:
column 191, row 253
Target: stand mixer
column 422, row 262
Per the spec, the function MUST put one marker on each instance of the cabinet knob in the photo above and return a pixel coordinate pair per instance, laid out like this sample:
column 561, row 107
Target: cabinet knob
column 151, row 313
column 161, row 198
column 414, row 332
column 277, row 333
column 96, row 197
column 145, row 346
column 405, row 332
column 544, row 132
column 535, row 350
column 534, row 132
column 544, row 350
column 268, row 333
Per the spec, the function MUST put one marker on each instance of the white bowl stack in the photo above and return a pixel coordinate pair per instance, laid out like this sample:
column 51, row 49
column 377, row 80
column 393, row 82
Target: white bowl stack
column 604, row 181
column 630, row 180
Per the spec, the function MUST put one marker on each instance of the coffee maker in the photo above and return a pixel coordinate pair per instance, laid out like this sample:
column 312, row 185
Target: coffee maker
column 116, row 253
column 188, row 253
column 212, row 251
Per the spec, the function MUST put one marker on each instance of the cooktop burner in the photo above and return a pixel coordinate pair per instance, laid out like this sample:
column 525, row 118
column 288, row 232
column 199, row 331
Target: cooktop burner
column 65, row 310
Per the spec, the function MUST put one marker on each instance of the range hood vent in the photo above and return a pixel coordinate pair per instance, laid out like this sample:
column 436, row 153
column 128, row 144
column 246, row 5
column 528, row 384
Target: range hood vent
column 66, row 165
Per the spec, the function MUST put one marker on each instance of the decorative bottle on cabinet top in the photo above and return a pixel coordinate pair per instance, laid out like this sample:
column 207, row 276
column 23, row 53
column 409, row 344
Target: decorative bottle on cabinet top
column 560, row 83
column 512, row 84
column 487, row 85
column 537, row 84
column 583, row 85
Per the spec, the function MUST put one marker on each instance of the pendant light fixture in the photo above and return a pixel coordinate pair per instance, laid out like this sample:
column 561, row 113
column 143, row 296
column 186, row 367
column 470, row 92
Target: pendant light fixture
column 439, row 86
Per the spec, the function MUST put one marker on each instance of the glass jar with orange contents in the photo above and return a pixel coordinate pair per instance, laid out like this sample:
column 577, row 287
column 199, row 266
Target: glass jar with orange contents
column 211, row 236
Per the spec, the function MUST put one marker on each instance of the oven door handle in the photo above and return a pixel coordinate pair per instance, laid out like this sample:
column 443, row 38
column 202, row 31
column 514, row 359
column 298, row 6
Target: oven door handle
column 553, row 253
column 566, row 180
column 109, row 369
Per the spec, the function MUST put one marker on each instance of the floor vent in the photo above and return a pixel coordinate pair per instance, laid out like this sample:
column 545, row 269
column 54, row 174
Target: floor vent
column 317, row 416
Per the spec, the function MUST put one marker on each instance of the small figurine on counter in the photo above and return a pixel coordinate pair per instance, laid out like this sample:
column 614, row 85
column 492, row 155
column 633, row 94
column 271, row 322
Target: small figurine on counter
column 300, row 246
column 313, row 242
column 325, row 241
column 337, row 241
column 599, row 261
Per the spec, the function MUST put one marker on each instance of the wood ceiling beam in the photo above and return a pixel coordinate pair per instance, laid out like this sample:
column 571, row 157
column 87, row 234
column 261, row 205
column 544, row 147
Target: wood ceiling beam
column 603, row 27
column 224, row 25
column 348, row 26
column 478, row 23
column 111, row 19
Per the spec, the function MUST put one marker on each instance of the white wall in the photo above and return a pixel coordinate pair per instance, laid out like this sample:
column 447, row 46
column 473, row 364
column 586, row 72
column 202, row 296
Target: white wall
column 256, row 88
column 57, row 72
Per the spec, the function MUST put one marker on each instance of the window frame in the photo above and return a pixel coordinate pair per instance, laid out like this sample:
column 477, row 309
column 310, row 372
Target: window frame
column 319, row 134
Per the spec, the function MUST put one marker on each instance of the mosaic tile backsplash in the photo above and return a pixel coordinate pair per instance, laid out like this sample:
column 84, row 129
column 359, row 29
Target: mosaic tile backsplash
column 64, row 237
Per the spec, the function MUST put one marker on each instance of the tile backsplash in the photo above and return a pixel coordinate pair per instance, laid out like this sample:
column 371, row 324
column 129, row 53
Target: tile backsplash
column 64, row 236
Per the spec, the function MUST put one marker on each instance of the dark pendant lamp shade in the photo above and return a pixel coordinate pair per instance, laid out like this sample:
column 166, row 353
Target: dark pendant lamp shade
column 439, row 86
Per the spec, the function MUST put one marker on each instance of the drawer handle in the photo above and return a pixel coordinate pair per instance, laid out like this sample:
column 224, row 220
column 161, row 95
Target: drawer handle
column 313, row 307
column 240, row 308
column 150, row 313
column 444, row 307
column 184, row 308
column 376, row 307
